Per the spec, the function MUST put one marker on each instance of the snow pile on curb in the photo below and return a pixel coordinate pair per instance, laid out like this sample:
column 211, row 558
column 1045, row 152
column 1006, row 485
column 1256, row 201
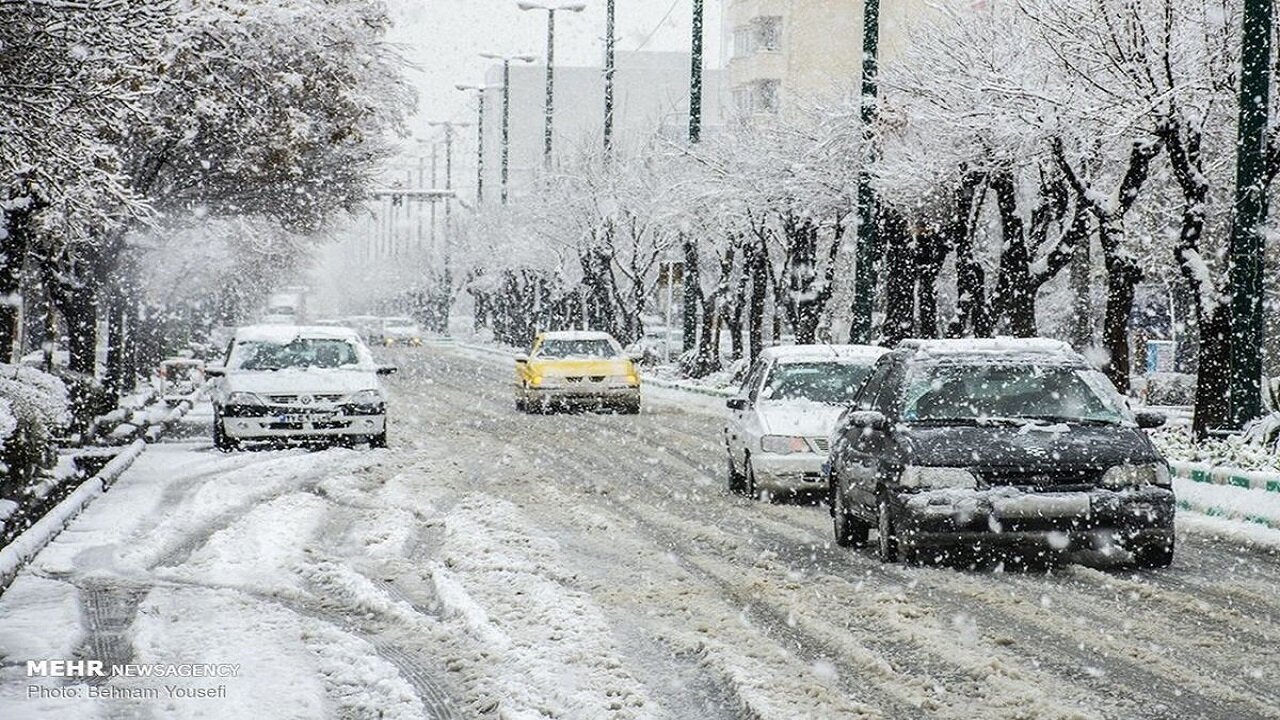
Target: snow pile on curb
column 24, row 547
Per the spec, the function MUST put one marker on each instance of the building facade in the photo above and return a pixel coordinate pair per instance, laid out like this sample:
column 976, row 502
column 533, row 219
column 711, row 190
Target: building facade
column 782, row 54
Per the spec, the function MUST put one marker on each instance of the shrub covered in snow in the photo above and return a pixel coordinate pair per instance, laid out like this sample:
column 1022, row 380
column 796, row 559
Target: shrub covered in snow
column 33, row 405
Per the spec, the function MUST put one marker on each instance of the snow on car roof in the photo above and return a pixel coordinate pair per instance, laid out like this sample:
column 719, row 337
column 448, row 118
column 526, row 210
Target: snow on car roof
column 1005, row 347
column 576, row 335
column 282, row 334
column 847, row 353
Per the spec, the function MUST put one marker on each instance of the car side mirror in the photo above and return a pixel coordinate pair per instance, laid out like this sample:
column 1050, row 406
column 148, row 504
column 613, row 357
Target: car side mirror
column 736, row 403
column 1148, row 419
column 522, row 358
column 635, row 356
column 873, row 419
column 387, row 369
column 215, row 370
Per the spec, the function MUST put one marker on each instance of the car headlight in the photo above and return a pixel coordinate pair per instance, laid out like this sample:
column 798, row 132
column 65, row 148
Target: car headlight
column 366, row 397
column 244, row 398
column 1120, row 476
column 783, row 444
column 917, row 476
column 536, row 380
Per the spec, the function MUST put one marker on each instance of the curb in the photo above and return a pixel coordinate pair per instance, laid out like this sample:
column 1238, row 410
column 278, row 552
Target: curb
column 35, row 538
column 1249, row 480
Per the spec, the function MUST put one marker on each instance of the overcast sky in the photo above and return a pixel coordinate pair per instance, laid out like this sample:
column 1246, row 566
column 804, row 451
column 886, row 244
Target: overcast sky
column 443, row 39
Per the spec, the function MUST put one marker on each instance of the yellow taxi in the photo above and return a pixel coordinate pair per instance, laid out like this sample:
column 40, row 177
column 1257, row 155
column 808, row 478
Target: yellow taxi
column 575, row 369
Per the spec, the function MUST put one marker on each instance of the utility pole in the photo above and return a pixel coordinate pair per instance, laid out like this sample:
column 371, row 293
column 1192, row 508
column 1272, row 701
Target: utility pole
column 506, row 111
column 695, row 76
column 689, row 276
column 1250, row 213
column 864, row 283
column 608, row 77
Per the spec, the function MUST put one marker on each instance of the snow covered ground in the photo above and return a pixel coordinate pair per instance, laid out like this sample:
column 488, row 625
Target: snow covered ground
column 494, row 564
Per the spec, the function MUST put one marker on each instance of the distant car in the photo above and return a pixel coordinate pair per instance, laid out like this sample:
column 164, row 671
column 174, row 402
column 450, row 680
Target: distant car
column 289, row 384
column 781, row 418
column 576, row 368
column 179, row 377
column 976, row 445
column 401, row 331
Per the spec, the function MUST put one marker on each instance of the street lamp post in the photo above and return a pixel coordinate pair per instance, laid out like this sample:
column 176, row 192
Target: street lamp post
column 551, row 8
column 506, row 110
column 608, row 76
column 695, row 76
column 479, row 90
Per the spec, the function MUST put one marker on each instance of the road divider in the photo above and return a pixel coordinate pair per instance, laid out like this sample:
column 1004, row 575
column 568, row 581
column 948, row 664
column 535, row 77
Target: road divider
column 1230, row 493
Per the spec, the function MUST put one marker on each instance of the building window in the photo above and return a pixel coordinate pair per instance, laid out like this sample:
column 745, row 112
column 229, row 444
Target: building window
column 768, row 34
column 763, row 34
column 766, row 96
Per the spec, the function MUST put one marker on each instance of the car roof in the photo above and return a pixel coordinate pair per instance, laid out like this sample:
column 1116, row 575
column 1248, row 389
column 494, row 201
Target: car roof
column 288, row 333
column 841, row 353
column 992, row 349
column 576, row 335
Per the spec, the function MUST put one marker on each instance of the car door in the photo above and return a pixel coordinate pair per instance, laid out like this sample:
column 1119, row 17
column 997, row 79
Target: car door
column 737, row 423
column 857, row 466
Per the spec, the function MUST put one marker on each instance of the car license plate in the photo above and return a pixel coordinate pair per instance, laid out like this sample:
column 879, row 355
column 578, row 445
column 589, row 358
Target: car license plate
column 1042, row 506
column 304, row 417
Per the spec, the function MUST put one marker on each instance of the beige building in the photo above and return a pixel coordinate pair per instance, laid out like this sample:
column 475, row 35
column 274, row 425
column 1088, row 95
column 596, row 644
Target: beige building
column 785, row 53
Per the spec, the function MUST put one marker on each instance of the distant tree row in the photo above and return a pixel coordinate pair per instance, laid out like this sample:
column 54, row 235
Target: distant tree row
column 163, row 162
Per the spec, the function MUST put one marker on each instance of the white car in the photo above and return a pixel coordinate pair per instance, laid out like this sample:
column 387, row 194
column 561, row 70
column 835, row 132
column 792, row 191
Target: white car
column 401, row 331
column 290, row 384
column 781, row 419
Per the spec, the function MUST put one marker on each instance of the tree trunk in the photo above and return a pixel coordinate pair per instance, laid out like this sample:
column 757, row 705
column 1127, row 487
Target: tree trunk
column 12, row 259
column 1123, row 276
column 759, row 294
column 931, row 254
column 971, row 302
column 1081, row 332
column 899, row 266
column 692, row 294
column 1213, row 380
column 1014, row 295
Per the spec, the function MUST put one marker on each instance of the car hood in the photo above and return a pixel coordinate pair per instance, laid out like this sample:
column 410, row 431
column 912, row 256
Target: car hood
column 312, row 380
column 575, row 368
column 1045, row 447
column 402, row 330
column 798, row 418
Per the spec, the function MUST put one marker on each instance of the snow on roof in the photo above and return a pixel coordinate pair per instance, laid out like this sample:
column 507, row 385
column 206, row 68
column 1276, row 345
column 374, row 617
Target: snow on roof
column 576, row 335
column 283, row 334
column 1002, row 346
column 848, row 353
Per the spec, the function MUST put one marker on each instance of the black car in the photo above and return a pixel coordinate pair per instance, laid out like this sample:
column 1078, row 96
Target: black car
column 991, row 445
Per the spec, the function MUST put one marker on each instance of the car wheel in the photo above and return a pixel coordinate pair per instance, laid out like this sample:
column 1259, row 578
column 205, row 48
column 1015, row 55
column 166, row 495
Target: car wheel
column 735, row 477
column 631, row 408
column 849, row 530
column 1154, row 555
column 378, row 441
column 522, row 405
column 749, row 480
column 887, row 542
column 220, row 439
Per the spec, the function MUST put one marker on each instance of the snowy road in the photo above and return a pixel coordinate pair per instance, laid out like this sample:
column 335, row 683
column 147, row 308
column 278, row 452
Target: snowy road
column 492, row 564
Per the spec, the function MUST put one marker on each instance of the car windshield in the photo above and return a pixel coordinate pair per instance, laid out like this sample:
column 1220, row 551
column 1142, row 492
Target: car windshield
column 825, row 382
column 299, row 353
column 593, row 348
column 992, row 393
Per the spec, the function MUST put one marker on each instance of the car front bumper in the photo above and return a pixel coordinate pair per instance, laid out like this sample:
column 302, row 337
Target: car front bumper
column 1058, row 521
column 793, row 471
column 274, row 428
column 579, row 395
